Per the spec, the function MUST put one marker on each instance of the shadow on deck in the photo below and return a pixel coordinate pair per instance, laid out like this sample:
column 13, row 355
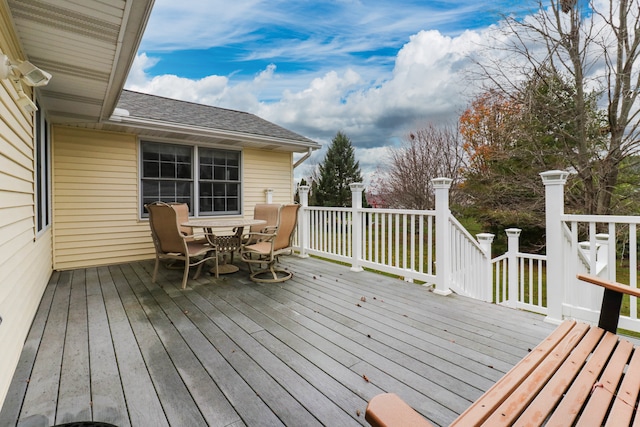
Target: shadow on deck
column 107, row 345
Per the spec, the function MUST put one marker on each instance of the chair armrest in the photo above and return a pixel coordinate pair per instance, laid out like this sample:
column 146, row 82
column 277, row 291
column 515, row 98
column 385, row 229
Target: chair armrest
column 388, row 410
column 254, row 237
column 611, row 300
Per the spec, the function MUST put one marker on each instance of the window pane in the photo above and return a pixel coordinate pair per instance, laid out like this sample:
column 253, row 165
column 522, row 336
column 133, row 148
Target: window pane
column 151, row 169
column 151, row 190
column 219, row 205
column 167, row 173
column 183, row 170
column 206, row 190
column 206, row 205
column 206, row 172
column 220, row 159
column 233, row 174
column 233, row 189
column 219, row 173
column 233, row 159
column 219, row 190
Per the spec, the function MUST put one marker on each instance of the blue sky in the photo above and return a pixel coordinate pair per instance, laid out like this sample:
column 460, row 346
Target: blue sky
column 372, row 69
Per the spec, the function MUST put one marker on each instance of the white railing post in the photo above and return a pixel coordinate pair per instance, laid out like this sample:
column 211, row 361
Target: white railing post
column 303, row 220
column 443, row 237
column 268, row 195
column 356, row 219
column 513, row 247
column 554, row 182
column 485, row 240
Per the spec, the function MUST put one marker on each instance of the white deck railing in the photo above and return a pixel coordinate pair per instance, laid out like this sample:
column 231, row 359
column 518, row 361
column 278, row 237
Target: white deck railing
column 605, row 246
column 470, row 263
column 397, row 241
column 519, row 281
column 434, row 248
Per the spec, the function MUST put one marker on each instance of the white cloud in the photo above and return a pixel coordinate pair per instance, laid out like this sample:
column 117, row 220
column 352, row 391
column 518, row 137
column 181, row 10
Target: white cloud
column 424, row 85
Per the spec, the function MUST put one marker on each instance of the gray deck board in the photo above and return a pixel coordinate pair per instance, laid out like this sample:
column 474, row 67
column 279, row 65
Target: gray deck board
column 39, row 406
column 108, row 345
column 74, row 394
column 107, row 395
column 13, row 403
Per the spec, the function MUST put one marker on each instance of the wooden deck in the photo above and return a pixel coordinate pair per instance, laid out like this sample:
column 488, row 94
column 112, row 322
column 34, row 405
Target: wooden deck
column 107, row 345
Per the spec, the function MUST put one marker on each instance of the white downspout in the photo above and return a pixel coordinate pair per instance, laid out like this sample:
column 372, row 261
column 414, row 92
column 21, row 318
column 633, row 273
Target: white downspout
column 303, row 158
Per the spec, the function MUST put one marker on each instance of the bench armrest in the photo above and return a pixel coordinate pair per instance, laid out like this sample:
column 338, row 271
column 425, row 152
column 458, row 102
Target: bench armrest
column 611, row 300
column 607, row 284
column 388, row 410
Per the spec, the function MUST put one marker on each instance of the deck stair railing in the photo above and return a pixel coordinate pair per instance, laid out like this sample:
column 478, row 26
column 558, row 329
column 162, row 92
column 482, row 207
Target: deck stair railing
column 399, row 241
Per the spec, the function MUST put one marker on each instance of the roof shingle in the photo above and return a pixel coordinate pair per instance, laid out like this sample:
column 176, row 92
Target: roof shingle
column 153, row 107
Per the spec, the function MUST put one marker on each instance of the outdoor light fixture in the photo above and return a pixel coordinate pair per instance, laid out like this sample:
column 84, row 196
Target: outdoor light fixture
column 25, row 102
column 26, row 72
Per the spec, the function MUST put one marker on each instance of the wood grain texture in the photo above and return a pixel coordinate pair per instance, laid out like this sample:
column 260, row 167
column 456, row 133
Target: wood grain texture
column 230, row 352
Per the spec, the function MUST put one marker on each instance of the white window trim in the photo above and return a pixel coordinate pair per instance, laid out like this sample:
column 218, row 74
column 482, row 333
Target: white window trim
column 44, row 179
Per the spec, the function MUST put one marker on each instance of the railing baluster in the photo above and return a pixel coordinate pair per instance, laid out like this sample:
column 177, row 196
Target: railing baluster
column 633, row 266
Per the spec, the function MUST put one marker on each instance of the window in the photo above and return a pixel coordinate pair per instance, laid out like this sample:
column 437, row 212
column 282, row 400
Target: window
column 219, row 181
column 207, row 179
column 42, row 171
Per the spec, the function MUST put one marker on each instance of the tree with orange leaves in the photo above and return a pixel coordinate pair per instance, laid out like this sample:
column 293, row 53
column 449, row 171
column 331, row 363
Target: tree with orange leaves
column 486, row 127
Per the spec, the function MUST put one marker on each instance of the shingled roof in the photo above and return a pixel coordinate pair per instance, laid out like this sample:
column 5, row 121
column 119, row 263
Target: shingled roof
column 166, row 110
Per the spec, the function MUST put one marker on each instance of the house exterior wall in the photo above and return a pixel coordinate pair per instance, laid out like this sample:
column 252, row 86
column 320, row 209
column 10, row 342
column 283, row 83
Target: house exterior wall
column 266, row 170
column 95, row 190
column 25, row 258
column 95, row 199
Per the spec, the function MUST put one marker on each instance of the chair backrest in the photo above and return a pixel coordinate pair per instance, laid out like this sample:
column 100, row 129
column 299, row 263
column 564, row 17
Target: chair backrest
column 268, row 212
column 163, row 220
column 286, row 225
column 182, row 209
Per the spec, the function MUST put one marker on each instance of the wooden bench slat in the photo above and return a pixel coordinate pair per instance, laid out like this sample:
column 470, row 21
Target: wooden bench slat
column 554, row 390
column 519, row 400
column 482, row 408
column 578, row 393
column 624, row 406
column 601, row 397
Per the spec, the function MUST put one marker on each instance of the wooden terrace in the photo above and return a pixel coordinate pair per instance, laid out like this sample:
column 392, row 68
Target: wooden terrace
column 108, row 345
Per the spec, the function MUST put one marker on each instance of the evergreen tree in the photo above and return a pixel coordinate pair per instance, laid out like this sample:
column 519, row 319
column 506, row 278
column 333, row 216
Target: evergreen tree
column 338, row 169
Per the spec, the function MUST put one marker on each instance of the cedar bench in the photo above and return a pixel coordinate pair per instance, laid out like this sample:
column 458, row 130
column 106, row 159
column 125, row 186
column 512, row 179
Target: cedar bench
column 579, row 375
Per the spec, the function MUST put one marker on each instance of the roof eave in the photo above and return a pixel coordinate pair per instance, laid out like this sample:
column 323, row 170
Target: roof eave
column 128, row 42
column 243, row 139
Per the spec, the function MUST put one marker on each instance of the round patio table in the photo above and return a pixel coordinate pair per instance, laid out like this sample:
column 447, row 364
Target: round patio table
column 226, row 243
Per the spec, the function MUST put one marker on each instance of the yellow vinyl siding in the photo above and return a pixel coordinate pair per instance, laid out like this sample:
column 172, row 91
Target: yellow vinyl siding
column 96, row 217
column 263, row 170
column 25, row 260
column 95, row 187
